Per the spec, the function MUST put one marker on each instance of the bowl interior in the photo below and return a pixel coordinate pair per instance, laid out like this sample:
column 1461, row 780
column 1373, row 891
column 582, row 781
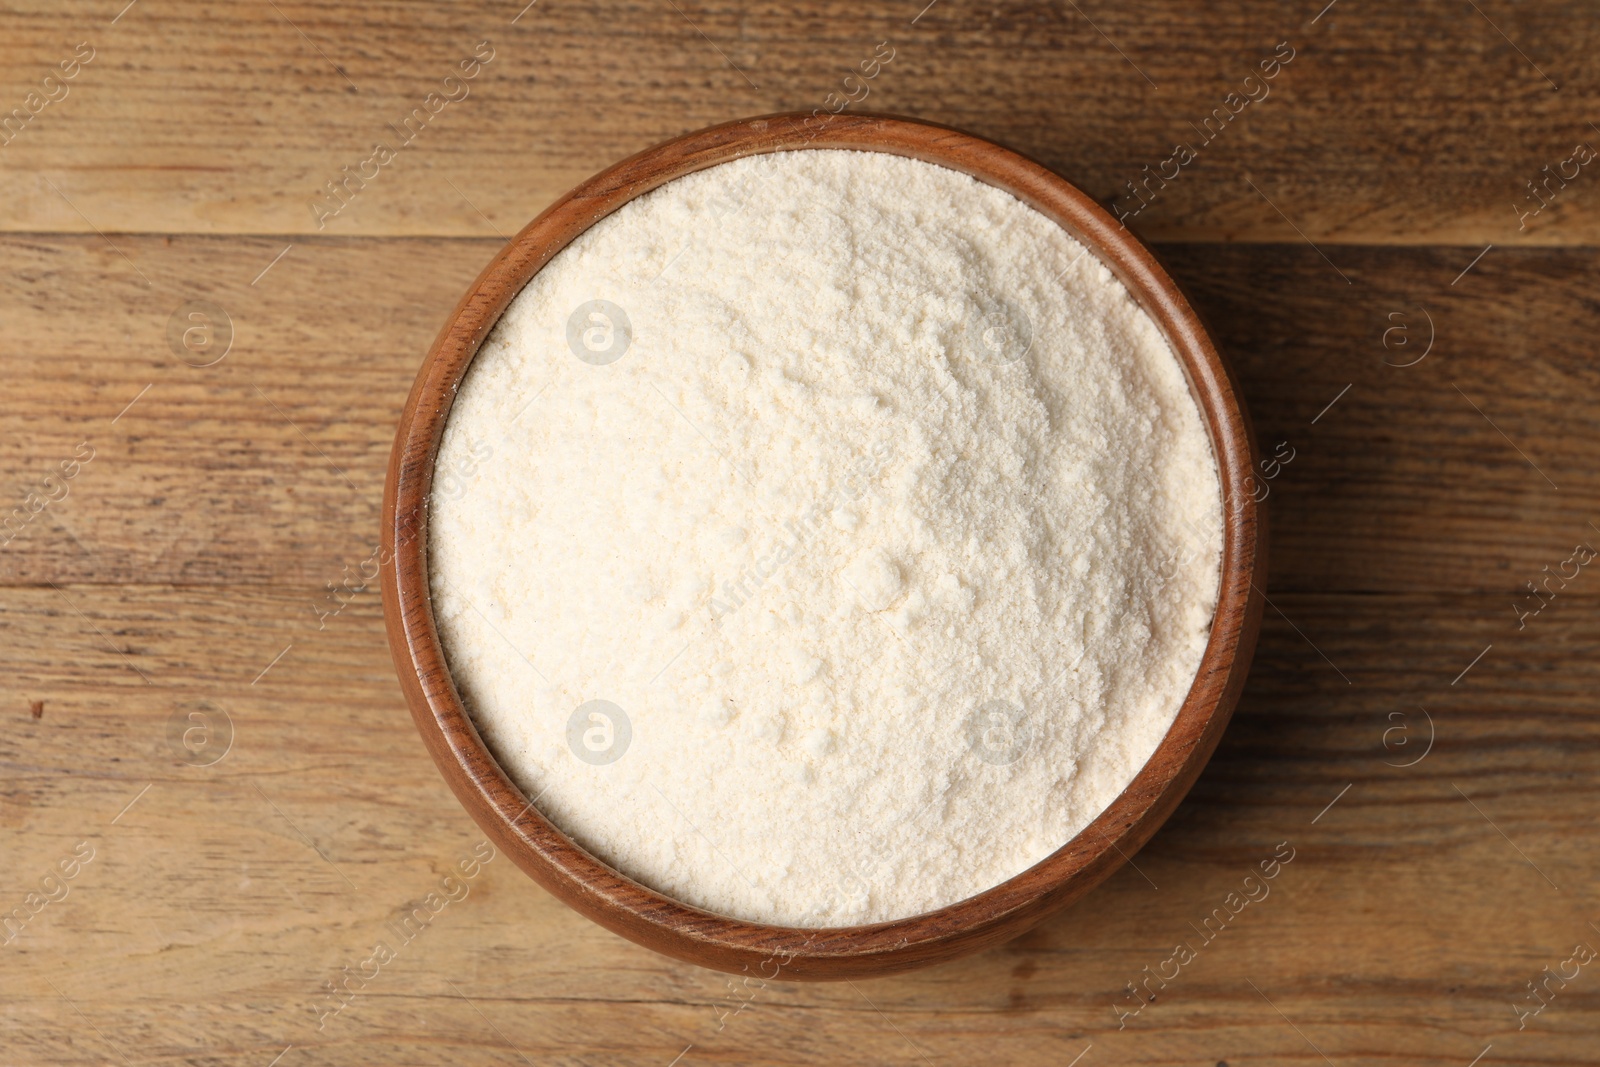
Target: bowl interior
column 669, row 926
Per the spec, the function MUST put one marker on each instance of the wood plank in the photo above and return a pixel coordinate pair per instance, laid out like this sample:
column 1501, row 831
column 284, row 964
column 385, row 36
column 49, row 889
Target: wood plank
column 215, row 906
column 268, row 466
column 271, row 459
column 1391, row 124
column 1460, row 466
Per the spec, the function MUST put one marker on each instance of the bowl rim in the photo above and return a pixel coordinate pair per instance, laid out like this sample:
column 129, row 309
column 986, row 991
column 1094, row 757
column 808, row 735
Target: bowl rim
column 672, row 927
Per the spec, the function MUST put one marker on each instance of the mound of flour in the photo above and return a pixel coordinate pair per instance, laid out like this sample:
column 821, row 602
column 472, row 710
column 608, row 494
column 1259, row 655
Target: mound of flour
column 824, row 538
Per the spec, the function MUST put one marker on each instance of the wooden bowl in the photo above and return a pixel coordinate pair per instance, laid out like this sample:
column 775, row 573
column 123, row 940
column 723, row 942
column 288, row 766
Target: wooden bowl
column 647, row 917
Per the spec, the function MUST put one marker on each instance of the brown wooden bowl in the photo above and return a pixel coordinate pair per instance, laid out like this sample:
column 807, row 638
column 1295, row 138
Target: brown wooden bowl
column 658, row 922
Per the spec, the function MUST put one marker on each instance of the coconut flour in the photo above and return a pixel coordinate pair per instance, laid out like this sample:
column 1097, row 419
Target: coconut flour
column 824, row 537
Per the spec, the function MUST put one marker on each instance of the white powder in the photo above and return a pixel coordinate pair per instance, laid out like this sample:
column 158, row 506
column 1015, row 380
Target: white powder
column 885, row 529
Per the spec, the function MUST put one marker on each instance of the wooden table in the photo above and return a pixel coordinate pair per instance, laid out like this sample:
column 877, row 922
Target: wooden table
column 1375, row 200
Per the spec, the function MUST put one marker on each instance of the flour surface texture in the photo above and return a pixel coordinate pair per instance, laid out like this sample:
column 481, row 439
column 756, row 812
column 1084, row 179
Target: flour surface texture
column 824, row 538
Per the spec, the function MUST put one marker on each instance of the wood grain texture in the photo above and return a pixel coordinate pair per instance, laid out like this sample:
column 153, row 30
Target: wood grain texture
column 1404, row 122
column 204, row 480
column 196, row 546
column 1400, row 933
